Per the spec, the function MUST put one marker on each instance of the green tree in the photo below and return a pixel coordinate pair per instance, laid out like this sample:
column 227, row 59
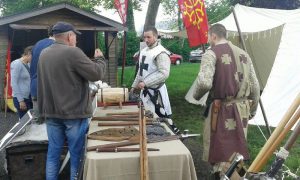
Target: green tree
column 132, row 46
column 217, row 10
column 151, row 13
column 12, row 6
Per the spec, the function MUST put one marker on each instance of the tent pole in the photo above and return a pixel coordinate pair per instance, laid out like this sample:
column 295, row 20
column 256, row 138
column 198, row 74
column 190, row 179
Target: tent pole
column 244, row 47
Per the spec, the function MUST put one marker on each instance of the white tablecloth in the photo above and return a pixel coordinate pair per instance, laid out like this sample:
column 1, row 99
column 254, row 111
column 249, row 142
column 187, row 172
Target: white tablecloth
column 172, row 162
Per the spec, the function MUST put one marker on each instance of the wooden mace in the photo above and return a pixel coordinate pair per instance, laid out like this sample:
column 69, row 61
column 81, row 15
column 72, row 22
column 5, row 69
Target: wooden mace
column 266, row 151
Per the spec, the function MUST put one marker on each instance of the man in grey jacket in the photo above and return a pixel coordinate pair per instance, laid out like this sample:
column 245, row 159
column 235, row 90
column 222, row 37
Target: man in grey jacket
column 63, row 95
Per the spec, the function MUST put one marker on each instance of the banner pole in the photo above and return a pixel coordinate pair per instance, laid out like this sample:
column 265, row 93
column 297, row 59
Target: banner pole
column 6, row 94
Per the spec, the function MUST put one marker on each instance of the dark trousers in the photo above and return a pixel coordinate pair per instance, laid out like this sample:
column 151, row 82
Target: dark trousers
column 28, row 103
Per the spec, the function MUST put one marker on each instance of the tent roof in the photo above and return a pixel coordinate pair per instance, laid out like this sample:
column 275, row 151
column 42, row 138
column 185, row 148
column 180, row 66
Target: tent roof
column 255, row 19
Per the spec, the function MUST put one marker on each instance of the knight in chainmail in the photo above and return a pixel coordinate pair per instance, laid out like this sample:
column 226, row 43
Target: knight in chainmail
column 154, row 69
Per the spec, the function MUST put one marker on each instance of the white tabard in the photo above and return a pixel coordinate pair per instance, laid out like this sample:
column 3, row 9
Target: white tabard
column 147, row 67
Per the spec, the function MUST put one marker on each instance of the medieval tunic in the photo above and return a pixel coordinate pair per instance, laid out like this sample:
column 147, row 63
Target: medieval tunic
column 227, row 72
column 154, row 69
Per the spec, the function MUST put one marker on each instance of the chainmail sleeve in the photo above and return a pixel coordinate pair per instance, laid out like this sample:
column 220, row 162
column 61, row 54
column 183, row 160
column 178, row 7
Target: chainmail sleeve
column 205, row 76
column 163, row 63
column 254, row 90
column 136, row 81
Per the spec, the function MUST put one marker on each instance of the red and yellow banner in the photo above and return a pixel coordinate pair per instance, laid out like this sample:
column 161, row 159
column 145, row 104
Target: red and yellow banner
column 7, row 88
column 195, row 21
column 7, row 74
column 121, row 6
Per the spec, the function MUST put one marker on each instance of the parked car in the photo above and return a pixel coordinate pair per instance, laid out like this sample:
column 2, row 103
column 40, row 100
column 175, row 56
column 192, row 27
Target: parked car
column 175, row 58
column 195, row 55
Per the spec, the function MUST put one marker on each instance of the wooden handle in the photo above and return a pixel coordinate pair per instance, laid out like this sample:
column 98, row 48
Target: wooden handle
column 143, row 146
column 270, row 151
column 136, row 116
column 110, row 145
column 123, row 113
column 118, row 149
column 131, row 123
column 292, row 139
column 256, row 165
column 112, row 118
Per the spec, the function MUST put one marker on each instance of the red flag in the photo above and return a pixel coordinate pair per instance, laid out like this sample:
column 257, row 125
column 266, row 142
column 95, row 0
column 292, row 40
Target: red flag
column 7, row 74
column 121, row 6
column 195, row 21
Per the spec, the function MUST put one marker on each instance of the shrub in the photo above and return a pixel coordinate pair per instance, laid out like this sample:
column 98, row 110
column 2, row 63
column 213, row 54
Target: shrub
column 132, row 46
column 178, row 46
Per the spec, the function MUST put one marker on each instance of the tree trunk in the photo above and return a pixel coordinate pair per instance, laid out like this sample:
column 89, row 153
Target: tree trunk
column 151, row 13
column 130, row 17
column 179, row 21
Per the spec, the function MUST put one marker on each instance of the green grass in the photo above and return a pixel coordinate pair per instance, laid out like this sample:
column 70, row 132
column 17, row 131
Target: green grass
column 188, row 116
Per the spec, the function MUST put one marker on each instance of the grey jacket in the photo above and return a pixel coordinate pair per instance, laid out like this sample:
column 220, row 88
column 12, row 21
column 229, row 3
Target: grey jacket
column 63, row 76
column 20, row 80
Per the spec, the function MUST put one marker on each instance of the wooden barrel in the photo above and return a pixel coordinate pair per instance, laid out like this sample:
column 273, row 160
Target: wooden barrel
column 112, row 95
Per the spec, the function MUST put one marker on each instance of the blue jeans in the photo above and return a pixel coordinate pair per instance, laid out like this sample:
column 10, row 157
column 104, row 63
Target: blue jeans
column 59, row 130
column 28, row 103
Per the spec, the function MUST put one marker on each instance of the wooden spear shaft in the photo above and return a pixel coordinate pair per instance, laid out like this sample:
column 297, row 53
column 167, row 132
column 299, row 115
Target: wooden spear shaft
column 277, row 164
column 256, row 165
column 124, row 116
column 278, row 140
column 130, row 123
column 118, row 149
column 133, row 141
column 292, row 139
column 108, row 118
column 123, row 113
column 143, row 146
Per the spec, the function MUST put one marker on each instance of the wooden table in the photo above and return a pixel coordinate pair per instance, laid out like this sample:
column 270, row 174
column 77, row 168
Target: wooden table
column 172, row 162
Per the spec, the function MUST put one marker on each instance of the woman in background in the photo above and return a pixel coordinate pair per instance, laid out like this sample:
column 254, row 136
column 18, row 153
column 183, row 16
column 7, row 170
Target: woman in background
column 20, row 82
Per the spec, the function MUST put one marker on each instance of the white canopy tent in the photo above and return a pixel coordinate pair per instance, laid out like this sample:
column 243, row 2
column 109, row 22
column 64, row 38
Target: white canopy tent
column 272, row 39
column 283, row 83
